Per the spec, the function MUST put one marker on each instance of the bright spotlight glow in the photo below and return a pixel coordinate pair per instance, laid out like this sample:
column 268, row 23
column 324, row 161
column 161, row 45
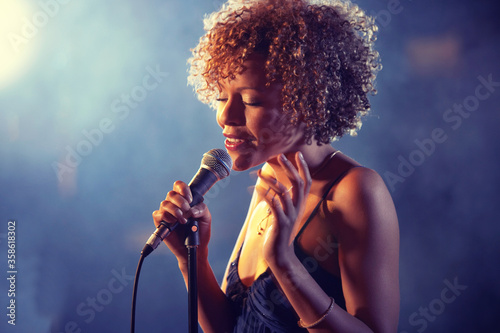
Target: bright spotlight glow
column 17, row 43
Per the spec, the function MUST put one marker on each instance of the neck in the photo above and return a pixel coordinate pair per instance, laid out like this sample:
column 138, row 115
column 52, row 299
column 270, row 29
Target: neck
column 314, row 156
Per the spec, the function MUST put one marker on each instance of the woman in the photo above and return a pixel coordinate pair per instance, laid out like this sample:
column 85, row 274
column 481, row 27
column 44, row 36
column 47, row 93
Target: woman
column 318, row 251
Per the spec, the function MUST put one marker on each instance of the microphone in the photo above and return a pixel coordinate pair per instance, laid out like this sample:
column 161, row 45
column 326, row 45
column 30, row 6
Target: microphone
column 215, row 165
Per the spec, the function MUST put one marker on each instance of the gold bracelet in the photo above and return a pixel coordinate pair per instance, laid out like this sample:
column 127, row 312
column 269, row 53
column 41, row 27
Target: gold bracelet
column 302, row 325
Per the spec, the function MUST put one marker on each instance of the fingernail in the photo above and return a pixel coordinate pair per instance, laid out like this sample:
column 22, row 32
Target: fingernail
column 301, row 156
column 283, row 157
column 195, row 211
column 269, row 189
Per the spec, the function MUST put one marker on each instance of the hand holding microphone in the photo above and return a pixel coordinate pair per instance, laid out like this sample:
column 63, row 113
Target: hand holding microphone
column 186, row 201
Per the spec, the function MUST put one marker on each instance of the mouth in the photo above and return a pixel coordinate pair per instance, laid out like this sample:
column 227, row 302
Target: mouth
column 233, row 143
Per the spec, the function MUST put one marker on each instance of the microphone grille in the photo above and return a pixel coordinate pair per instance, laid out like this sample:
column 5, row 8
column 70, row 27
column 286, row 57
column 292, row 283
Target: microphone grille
column 219, row 161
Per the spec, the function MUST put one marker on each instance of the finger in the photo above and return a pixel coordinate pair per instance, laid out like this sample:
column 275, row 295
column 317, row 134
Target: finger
column 272, row 199
column 303, row 170
column 162, row 216
column 177, row 200
column 157, row 217
column 201, row 212
column 184, row 190
column 281, row 191
column 172, row 213
column 271, row 182
column 295, row 178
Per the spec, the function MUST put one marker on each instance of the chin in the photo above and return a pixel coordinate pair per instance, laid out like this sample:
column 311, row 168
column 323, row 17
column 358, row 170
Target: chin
column 239, row 165
column 244, row 162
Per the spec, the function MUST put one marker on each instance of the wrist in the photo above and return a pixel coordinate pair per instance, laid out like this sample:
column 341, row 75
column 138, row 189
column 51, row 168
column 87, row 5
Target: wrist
column 285, row 261
column 183, row 262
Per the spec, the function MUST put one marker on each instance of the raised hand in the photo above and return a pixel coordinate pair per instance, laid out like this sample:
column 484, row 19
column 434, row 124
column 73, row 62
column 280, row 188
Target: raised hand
column 287, row 207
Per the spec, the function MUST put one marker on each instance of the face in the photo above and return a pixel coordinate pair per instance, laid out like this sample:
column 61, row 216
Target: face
column 251, row 118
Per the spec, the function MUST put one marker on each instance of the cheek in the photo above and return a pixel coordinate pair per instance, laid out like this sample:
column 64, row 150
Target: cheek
column 273, row 127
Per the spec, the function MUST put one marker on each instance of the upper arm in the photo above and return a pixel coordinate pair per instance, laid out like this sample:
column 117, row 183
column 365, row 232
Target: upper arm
column 369, row 249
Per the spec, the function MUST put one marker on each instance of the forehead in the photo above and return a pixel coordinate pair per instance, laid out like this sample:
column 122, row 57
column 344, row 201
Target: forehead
column 252, row 76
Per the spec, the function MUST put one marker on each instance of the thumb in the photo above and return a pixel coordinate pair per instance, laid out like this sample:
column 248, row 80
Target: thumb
column 201, row 212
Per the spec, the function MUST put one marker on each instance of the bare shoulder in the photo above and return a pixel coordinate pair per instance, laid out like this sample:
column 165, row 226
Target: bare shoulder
column 363, row 195
column 361, row 181
column 367, row 222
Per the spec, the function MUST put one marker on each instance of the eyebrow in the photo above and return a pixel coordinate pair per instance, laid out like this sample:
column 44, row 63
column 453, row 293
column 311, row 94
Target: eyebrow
column 251, row 88
column 239, row 89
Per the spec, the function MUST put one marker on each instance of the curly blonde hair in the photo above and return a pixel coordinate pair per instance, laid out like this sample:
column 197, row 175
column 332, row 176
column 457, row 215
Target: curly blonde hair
column 320, row 51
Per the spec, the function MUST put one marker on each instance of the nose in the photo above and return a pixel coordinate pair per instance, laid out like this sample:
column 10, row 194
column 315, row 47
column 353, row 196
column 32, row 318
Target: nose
column 231, row 112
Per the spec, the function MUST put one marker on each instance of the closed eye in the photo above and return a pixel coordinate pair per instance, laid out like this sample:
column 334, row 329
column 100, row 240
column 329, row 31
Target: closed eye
column 220, row 99
column 252, row 103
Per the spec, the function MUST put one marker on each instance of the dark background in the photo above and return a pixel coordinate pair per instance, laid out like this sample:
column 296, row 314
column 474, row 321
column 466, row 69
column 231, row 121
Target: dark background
column 80, row 227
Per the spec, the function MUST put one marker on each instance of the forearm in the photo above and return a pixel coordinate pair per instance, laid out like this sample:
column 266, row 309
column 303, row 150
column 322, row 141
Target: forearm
column 310, row 302
column 214, row 308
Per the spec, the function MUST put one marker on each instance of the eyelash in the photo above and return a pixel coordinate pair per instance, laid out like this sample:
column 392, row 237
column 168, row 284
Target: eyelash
column 246, row 103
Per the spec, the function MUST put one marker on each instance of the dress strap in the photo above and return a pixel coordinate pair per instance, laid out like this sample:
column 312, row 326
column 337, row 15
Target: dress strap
column 313, row 213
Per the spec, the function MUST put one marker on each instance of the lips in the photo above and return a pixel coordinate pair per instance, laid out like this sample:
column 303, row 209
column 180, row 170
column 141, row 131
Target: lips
column 234, row 142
